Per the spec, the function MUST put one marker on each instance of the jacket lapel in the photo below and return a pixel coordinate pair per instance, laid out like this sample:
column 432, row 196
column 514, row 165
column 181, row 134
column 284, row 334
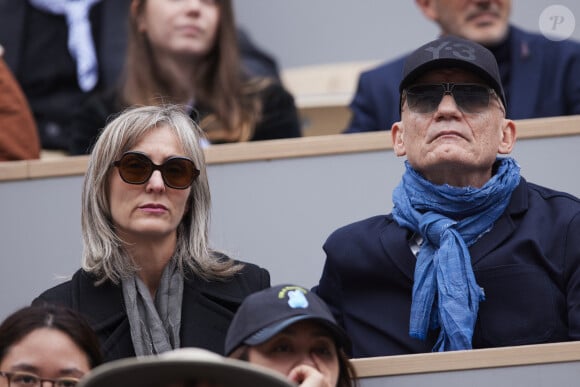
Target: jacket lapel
column 104, row 308
column 206, row 314
column 525, row 62
column 504, row 227
column 394, row 239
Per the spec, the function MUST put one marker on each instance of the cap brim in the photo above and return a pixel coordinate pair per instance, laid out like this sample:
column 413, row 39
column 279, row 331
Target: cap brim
column 267, row 333
column 157, row 371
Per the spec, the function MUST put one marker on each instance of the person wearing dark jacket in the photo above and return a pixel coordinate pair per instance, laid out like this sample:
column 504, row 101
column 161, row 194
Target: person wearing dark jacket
column 539, row 75
column 187, row 53
column 37, row 32
column 472, row 255
column 150, row 282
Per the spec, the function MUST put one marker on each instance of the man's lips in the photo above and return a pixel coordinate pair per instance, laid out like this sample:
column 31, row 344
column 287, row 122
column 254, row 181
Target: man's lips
column 447, row 133
column 483, row 17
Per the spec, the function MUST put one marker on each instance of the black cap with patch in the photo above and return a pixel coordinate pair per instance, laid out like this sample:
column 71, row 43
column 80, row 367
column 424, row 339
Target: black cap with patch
column 451, row 51
column 268, row 312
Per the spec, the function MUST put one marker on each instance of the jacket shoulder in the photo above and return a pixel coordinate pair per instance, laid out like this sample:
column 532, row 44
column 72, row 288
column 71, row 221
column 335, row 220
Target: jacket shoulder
column 59, row 294
column 361, row 229
column 550, row 194
column 249, row 279
column 388, row 71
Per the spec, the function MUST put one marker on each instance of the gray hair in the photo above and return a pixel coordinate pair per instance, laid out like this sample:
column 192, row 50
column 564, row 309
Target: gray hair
column 104, row 254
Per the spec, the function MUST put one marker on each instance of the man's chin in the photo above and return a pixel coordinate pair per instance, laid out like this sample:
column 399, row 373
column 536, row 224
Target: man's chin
column 487, row 35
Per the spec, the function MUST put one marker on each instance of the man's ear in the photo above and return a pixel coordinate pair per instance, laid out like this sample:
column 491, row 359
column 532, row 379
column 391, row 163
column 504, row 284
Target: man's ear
column 398, row 137
column 508, row 137
column 427, row 7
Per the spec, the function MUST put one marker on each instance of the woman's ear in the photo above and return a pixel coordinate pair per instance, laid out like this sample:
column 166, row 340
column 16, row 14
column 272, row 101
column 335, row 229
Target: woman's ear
column 136, row 10
column 398, row 138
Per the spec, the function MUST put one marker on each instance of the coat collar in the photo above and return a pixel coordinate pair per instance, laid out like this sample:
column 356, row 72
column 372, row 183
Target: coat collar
column 207, row 309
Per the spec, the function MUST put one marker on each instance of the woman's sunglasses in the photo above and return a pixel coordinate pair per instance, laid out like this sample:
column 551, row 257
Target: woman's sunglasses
column 469, row 97
column 136, row 168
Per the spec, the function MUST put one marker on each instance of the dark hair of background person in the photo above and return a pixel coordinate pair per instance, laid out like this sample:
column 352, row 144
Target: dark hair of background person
column 28, row 319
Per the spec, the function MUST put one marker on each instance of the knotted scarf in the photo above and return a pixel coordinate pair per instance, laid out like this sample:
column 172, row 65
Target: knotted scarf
column 449, row 219
column 155, row 324
column 80, row 39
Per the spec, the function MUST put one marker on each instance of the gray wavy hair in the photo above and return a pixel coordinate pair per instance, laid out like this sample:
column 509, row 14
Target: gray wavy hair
column 103, row 251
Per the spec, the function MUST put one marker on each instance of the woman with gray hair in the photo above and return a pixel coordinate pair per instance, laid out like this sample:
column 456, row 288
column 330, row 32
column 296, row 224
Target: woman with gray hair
column 150, row 282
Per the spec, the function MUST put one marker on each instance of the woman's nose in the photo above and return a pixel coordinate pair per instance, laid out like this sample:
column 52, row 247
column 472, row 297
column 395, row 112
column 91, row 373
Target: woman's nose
column 156, row 182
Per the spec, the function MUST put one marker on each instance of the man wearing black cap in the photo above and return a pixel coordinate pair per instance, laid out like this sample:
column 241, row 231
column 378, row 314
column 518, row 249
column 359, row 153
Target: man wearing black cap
column 472, row 254
column 291, row 330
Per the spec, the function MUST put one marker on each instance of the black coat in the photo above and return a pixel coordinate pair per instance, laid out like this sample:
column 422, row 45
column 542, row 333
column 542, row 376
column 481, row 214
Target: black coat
column 528, row 265
column 207, row 310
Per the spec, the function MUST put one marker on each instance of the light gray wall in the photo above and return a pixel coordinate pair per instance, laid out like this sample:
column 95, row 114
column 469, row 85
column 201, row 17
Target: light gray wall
column 304, row 32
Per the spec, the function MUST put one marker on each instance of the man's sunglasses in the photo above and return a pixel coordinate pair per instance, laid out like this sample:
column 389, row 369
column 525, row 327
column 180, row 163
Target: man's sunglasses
column 469, row 97
column 136, row 168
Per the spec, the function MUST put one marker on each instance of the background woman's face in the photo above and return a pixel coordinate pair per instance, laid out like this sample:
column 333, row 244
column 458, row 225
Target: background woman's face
column 181, row 27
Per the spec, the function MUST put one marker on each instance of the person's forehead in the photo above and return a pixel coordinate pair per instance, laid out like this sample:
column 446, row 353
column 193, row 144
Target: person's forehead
column 454, row 74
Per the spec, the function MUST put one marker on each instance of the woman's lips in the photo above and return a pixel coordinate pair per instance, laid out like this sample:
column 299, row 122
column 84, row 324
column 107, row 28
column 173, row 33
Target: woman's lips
column 153, row 208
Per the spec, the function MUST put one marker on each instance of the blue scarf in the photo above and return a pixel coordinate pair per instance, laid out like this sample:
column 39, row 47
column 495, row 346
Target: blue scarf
column 445, row 293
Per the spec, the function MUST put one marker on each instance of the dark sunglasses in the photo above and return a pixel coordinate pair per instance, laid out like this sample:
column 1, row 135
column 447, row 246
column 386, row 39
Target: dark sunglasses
column 469, row 97
column 136, row 168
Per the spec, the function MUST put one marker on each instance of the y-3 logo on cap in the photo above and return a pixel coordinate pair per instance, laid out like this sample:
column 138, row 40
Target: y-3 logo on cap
column 459, row 50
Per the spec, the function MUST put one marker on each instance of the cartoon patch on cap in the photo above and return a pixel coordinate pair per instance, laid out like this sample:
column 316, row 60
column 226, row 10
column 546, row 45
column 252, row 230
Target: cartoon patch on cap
column 296, row 296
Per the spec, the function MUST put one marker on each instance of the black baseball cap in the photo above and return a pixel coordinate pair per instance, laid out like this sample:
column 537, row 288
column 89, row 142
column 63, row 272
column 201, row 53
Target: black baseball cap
column 451, row 51
column 266, row 313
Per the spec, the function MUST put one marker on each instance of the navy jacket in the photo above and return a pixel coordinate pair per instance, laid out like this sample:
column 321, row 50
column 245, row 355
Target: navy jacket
column 207, row 309
column 544, row 82
column 528, row 265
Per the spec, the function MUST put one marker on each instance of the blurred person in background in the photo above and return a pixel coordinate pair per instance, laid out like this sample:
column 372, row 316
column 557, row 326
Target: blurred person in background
column 186, row 53
column 539, row 75
column 63, row 51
